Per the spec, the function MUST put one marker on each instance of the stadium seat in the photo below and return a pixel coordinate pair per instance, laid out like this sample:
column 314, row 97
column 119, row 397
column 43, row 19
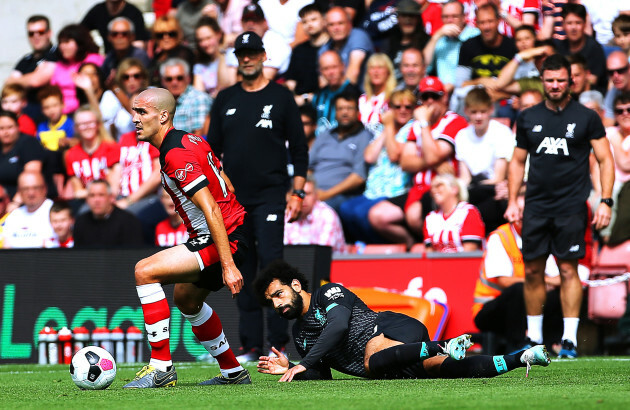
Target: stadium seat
column 384, row 249
column 618, row 255
column 418, row 248
column 433, row 314
column 606, row 303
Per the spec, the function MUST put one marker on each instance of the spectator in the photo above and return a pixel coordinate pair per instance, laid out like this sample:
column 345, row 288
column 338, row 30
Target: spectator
column 105, row 225
column 228, row 13
column 409, row 32
column 441, row 53
column 277, row 49
column 120, row 33
column 188, row 13
column 317, row 223
column 210, row 70
column 553, row 20
column 19, row 153
column 429, row 149
column 332, row 70
column 96, row 156
column 4, row 204
column 171, row 231
column 14, row 100
column 379, row 84
column 353, row 44
column 131, row 78
column 302, row 76
column 336, row 158
column 621, row 31
column 99, row 16
column 193, row 106
column 168, row 44
column 56, row 132
column 412, row 71
column 354, row 8
column 620, row 142
column 579, row 42
column 283, row 18
column 601, row 15
column 29, row 225
column 456, row 226
column 42, row 49
column 618, row 67
column 308, row 115
column 62, row 223
column 76, row 47
column 483, row 149
column 385, row 177
column 579, row 76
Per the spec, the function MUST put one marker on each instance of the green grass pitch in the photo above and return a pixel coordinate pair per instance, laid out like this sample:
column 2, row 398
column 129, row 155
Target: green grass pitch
column 585, row 383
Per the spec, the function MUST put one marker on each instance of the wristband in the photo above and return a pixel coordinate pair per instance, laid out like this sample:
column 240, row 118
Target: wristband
column 423, row 123
column 518, row 58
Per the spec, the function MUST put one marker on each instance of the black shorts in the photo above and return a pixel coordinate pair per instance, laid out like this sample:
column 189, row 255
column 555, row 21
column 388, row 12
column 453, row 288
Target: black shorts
column 561, row 236
column 211, row 277
column 401, row 328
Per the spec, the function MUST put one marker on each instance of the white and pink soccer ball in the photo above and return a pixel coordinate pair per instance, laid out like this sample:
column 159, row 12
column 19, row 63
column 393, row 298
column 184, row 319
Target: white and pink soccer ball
column 93, row 368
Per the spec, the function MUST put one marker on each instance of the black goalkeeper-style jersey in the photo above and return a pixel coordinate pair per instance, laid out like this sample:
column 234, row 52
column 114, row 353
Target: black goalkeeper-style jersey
column 559, row 144
column 334, row 331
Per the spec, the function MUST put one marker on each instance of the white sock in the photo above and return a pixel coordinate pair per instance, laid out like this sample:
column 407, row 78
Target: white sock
column 534, row 328
column 570, row 329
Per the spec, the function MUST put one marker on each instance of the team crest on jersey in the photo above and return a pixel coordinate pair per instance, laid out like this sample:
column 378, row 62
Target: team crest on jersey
column 320, row 317
column 180, row 174
column 570, row 130
column 194, row 138
column 264, row 121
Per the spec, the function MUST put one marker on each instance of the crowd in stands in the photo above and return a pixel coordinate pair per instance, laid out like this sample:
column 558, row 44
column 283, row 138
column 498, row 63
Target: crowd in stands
column 408, row 107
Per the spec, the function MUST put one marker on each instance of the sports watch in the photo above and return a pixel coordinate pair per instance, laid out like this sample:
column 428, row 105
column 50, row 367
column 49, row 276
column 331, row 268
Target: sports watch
column 301, row 193
column 608, row 201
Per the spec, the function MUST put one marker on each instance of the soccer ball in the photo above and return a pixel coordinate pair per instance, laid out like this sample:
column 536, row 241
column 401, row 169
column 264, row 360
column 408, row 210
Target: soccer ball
column 93, row 368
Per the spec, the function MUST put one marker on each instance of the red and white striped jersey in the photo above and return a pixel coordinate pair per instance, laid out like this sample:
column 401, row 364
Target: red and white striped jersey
column 166, row 235
column 90, row 167
column 446, row 129
column 447, row 233
column 136, row 159
column 189, row 165
column 370, row 110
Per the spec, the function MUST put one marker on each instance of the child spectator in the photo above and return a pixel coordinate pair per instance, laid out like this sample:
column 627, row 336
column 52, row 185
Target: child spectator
column 171, row 231
column 54, row 133
column 621, row 31
column 14, row 100
column 62, row 221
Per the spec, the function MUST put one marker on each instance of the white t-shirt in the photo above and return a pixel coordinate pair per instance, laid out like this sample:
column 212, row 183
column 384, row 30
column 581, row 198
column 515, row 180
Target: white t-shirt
column 24, row 229
column 480, row 153
column 283, row 18
column 498, row 263
column 602, row 13
column 115, row 114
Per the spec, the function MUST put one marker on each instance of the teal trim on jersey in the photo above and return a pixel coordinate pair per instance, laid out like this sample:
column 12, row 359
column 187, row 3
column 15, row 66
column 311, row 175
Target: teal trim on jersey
column 332, row 305
column 499, row 364
column 424, row 352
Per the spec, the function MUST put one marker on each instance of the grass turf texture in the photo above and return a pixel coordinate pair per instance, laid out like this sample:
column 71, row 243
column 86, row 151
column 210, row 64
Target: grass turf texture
column 583, row 383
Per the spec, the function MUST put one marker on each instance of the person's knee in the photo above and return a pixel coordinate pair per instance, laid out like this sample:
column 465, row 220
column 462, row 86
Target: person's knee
column 143, row 272
column 380, row 215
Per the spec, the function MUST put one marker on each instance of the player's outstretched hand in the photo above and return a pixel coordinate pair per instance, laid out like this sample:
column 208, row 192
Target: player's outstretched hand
column 290, row 374
column 601, row 219
column 232, row 279
column 273, row 365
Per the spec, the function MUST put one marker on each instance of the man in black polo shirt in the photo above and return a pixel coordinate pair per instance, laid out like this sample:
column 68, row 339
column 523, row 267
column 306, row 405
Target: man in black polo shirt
column 558, row 135
column 250, row 125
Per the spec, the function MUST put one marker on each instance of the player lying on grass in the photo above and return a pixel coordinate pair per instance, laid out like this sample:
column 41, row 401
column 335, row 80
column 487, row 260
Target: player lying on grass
column 335, row 329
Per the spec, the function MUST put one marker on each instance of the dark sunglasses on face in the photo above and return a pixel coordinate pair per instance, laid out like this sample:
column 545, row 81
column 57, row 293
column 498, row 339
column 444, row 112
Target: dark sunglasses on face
column 171, row 79
column 161, row 34
column 38, row 32
column 622, row 110
column 430, row 95
column 619, row 71
column 406, row 107
column 119, row 33
column 135, row 76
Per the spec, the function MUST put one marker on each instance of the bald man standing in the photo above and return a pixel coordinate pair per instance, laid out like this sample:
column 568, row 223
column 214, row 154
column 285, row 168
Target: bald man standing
column 204, row 198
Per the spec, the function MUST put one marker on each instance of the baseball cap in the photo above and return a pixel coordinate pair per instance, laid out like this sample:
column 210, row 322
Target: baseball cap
column 248, row 41
column 253, row 12
column 431, row 84
column 409, row 7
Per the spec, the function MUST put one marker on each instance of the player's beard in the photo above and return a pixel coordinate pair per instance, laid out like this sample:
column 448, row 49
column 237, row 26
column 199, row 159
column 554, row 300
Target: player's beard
column 296, row 306
column 560, row 99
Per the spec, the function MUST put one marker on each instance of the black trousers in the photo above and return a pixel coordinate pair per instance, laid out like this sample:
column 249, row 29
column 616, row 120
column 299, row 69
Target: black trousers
column 506, row 316
column 266, row 234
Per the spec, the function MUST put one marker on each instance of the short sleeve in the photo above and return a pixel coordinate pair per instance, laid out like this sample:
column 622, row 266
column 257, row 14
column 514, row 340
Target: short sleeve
column 473, row 228
column 181, row 166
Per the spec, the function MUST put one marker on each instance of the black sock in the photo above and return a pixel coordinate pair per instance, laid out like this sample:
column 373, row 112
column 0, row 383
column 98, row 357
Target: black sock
column 479, row 366
column 399, row 356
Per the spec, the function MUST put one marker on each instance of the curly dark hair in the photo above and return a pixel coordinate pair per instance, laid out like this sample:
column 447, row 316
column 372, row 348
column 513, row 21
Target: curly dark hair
column 281, row 271
column 81, row 35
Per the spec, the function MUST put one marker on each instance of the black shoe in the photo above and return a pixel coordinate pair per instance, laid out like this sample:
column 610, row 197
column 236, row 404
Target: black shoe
column 568, row 351
column 241, row 377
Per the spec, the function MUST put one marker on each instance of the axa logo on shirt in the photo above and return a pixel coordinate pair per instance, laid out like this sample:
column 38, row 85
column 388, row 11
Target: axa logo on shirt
column 553, row 146
column 180, row 174
column 333, row 293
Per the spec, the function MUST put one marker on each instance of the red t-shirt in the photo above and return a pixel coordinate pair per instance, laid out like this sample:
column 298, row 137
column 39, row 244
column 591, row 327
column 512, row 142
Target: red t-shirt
column 88, row 167
column 447, row 233
column 27, row 125
column 432, row 18
column 166, row 235
column 136, row 159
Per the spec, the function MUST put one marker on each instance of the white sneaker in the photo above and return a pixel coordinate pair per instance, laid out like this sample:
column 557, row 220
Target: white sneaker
column 536, row 355
column 249, row 357
column 457, row 346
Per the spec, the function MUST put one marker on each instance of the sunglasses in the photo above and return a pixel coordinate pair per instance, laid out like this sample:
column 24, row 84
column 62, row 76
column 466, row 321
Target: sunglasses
column 619, row 71
column 406, row 107
column 135, row 76
column 171, row 79
column 430, row 95
column 622, row 110
column 119, row 33
column 162, row 34
column 38, row 32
